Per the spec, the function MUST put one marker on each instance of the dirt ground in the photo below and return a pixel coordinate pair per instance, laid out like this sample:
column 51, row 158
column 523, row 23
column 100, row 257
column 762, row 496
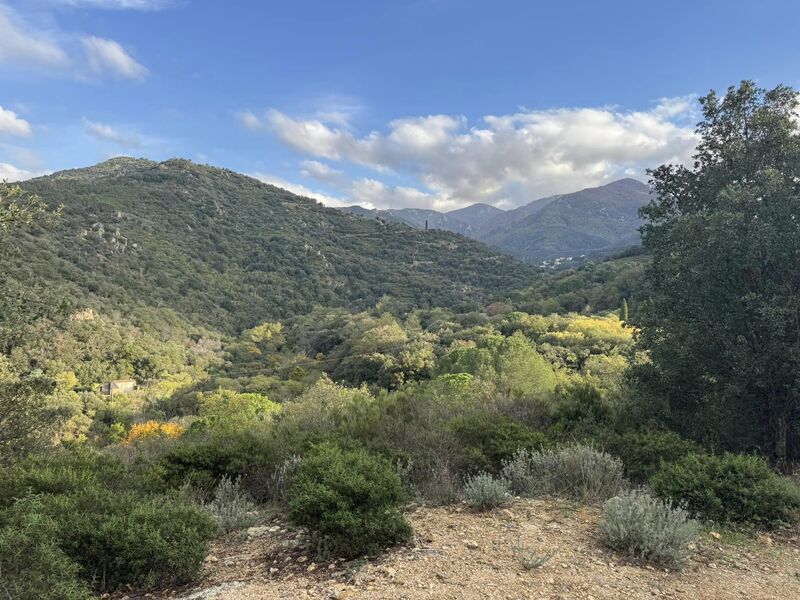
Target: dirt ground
column 458, row 553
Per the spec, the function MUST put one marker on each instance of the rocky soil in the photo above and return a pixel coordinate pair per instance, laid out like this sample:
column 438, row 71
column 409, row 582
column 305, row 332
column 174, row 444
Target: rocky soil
column 458, row 553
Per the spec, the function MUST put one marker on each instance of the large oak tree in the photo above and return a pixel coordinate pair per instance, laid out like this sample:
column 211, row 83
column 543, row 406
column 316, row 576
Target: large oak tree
column 722, row 321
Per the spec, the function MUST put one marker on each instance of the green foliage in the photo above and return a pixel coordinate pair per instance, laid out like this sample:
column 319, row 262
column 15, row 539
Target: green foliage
column 597, row 286
column 349, row 500
column 482, row 491
column 644, row 527
column 732, row 488
column 27, row 422
column 124, row 539
column 490, row 439
column 102, row 521
column 225, row 409
column 203, row 460
column 643, row 451
column 63, row 473
column 512, row 363
column 32, row 565
column 724, row 238
column 575, row 472
column 226, row 251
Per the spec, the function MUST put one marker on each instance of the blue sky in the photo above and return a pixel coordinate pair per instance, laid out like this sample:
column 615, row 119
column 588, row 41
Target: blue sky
column 433, row 103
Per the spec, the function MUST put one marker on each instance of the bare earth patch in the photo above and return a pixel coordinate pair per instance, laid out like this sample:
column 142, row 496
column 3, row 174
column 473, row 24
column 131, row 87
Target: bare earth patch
column 462, row 554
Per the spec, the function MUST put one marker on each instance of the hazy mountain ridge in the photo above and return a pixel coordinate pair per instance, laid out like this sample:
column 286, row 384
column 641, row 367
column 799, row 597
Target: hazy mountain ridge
column 594, row 221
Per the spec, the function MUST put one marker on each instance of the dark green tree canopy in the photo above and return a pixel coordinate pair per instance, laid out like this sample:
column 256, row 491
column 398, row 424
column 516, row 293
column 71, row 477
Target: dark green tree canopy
column 722, row 320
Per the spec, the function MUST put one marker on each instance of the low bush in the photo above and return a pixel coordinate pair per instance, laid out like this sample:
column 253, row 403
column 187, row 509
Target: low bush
column 61, row 473
column 202, row 461
column 489, row 439
column 482, row 491
column 731, row 488
column 32, row 566
column 99, row 519
column 272, row 484
column 644, row 527
column 124, row 539
column 575, row 472
column 642, row 452
column 231, row 507
column 349, row 501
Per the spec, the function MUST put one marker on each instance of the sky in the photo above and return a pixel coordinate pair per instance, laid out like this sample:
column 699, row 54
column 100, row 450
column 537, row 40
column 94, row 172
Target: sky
column 388, row 104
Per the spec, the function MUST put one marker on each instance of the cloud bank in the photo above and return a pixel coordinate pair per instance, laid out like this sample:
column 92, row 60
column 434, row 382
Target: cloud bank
column 504, row 160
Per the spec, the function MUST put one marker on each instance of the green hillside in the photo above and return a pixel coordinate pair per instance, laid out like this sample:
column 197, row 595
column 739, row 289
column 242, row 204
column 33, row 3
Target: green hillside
column 226, row 251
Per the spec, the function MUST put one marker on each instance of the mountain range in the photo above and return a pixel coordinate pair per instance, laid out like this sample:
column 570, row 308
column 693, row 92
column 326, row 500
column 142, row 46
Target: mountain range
column 592, row 222
column 225, row 251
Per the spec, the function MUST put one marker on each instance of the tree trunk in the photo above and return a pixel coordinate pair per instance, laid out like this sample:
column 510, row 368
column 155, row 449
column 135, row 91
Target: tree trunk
column 778, row 429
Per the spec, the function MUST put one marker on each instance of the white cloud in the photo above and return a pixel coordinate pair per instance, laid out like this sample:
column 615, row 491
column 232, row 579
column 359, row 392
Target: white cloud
column 21, row 47
column 58, row 53
column 109, row 134
column 322, row 172
column 107, row 56
column 11, row 124
column 299, row 189
column 504, row 160
column 11, row 173
column 250, row 121
column 372, row 193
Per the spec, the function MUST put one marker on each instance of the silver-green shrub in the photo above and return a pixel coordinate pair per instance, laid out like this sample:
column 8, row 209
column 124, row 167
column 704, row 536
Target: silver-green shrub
column 644, row 527
column 482, row 491
column 575, row 472
column 231, row 507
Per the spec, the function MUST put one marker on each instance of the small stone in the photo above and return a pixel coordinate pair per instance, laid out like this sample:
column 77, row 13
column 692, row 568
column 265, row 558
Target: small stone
column 714, row 535
column 253, row 532
column 311, row 568
column 302, row 559
column 273, row 570
column 471, row 544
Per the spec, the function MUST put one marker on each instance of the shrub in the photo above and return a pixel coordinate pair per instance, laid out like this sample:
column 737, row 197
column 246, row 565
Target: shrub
column 348, row 500
column 642, row 452
column 530, row 558
column 32, row 566
column 482, row 491
column 272, row 485
column 644, row 527
column 437, row 485
column 203, row 461
column 729, row 488
column 489, row 439
column 151, row 429
column 124, row 539
column 575, row 472
column 231, row 507
column 61, row 473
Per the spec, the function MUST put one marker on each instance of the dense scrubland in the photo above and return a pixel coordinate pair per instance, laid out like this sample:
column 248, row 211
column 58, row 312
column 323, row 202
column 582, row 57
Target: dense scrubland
column 660, row 385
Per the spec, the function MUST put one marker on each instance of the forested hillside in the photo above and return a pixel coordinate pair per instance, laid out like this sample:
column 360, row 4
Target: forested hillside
column 226, row 251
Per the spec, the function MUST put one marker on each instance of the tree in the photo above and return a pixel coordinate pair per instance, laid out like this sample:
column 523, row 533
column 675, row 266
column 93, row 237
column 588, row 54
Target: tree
column 722, row 319
column 26, row 420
